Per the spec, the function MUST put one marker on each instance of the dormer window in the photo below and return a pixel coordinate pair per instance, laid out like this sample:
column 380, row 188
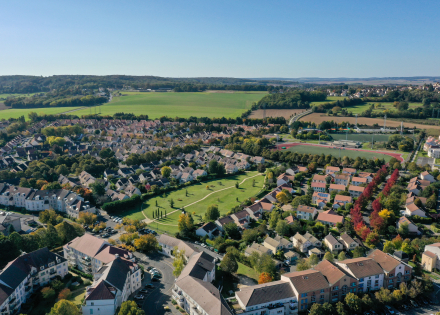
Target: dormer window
column 42, row 268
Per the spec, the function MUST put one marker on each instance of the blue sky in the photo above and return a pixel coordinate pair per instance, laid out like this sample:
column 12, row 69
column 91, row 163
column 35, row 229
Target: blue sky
column 237, row 38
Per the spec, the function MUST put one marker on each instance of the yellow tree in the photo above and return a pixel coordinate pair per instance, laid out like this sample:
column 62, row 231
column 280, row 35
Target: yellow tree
column 282, row 197
column 264, row 278
column 386, row 215
column 87, row 218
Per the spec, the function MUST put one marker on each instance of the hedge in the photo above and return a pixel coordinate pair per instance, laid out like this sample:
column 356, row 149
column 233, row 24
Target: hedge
column 122, row 205
column 79, row 272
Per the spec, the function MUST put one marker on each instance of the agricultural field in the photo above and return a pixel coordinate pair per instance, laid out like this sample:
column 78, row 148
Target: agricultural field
column 286, row 113
column 320, row 117
column 200, row 104
column 4, row 96
column 17, row 112
column 221, row 192
column 315, row 149
column 360, row 137
column 329, row 99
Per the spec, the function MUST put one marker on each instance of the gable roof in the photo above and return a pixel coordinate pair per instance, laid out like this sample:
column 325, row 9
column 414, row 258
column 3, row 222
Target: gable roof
column 87, row 244
column 307, row 280
column 387, row 262
column 101, row 292
column 265, row 293
column 362, row 267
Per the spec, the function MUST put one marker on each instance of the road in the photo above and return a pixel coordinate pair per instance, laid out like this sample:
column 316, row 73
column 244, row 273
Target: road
column 161, row 295
column 295, row 118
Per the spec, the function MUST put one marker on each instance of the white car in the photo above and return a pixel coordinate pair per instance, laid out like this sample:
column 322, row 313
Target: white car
column 2, row 213
column 203, row 245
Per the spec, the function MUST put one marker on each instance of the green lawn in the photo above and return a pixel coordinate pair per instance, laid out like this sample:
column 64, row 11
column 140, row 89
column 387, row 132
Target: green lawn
column 77, row 296
column 246, row 271
column 358, row 109
column 17, row 112
column 336, row 152
column 203, row 104
column 4, row 96
column 329, row 99
column 225, row 200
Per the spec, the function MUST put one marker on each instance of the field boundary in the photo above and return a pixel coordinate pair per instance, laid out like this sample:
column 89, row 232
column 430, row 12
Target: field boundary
column 398, row 156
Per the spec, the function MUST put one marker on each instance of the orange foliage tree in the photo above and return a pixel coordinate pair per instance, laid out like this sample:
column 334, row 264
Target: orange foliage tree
column 264, row 278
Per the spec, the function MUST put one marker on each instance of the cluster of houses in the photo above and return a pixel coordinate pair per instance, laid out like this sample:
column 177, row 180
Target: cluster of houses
column 415, row 187
column 432, row 147
column 294, row 292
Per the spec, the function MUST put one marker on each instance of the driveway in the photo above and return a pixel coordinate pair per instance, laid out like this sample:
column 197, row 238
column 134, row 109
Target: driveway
column 160, row 296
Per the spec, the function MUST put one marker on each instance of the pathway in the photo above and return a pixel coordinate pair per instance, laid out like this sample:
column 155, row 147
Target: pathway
column 73, row 110
column 148, row 220
column 295, row 118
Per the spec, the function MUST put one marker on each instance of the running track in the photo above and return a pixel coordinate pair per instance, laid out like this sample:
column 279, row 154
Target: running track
column 289, row 145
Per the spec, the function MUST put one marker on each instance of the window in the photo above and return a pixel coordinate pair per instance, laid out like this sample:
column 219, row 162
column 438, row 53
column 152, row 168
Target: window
column 377, row 276
column 303, row 295
column 91, row 311
column 335, row 288
column 361, row 280
column 322, row 297
column 304, row 301
column 407, row 272
column 390, row 281
column 322, row 290
column 391, row 275
column 353, row 284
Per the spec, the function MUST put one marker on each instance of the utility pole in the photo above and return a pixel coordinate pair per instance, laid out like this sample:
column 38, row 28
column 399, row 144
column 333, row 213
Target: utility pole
column 385, row 122
column 346, row 134
column 372, row 140
column 356, row 120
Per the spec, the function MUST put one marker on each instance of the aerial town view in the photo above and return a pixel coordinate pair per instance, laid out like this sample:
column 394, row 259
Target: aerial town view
column 219, row 158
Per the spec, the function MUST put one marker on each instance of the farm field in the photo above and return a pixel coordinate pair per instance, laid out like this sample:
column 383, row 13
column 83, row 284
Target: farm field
column 360, row 137
column 329, row 99
column 286, row 113
column 186, row 104
column 320, row 117
column 316, row 149
column 4, row 96
column 17, row 112
column 216, row 194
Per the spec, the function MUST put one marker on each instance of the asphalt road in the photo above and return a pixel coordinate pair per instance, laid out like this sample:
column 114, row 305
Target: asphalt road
column 160, row 296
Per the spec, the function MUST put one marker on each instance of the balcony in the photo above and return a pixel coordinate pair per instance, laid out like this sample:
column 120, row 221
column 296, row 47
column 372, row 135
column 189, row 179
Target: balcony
column 275, row 305
column 27, row 288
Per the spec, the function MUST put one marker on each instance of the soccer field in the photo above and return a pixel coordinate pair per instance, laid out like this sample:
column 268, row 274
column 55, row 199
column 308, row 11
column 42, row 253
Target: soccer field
column 310, row 149
column 186, row 104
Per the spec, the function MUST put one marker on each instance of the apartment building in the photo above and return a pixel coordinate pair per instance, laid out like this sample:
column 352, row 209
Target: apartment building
column 26, row 274
column 113, row 284
column 395, row 271
column 89, row 253
column 431, row 257
column 169, row 243
column 193, row 290
column 367, row 271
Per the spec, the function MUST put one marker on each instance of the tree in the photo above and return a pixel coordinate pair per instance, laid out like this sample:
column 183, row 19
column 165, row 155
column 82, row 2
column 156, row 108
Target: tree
column 372, row 239
column 64, row 294
column 386, row 215
column 146, row 243
column 229, row 264
column 98, row 188
column 282, row 197
column 47, row 293
column 384, row 295
column 87, row 218
column 329, row 256
column 358, row 252
column 397, row 296
column 16, row 239
column 8, row 251
column 250, row 235
column 282, row 228
column 50, row 216
column 273, row 220
column 388, row 247
column 367, row 302
column 130, row 308
column 340, row 309
column 232, row 231
column 165, row 171
column 185, row 224
column 317, row 309
column 264, row 278
column 57, row 285
column 302, row 264
column 212, row 213
column 313, row 260
column 342, row 256
column 171, row 204
column 64, row 307
column 178, row 262
column 353, row 302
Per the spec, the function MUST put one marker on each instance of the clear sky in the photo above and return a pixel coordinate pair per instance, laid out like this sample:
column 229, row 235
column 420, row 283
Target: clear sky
column 233, row 38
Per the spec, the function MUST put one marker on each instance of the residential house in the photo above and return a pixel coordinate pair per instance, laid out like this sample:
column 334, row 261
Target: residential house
column 332, row 243
column 412, row 228
column 431, row 257
column 198, row 173
column 169, row 243
column 330, row 217
column 210, row 229
column 320, row 199
column 348, row 242
column 355, row 191
column 319, row 179
column 306, row 212
column 331, row 170
column 186, row 177
column 260, row 249
column 357, row 181
column 411, row 209
column 336, row 187
column 318, row 187
column 426, row 176
column 342, row 179
column 349, row 171
column 340, row 201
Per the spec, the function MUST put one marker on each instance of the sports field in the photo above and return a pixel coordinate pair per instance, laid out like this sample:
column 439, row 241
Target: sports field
column 200, row 104
column 351, row 153
column 360, row 137
column 15, row 113
column 221, row 192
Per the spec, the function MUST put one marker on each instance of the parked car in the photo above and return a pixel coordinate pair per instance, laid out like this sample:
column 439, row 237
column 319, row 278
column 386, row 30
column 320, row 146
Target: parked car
column 149, row 286
column 143, row 291
column 197, row 243
column 389, row 309
column 414, row 303
column 149, row 268
column 155, row 279
column 139, row 297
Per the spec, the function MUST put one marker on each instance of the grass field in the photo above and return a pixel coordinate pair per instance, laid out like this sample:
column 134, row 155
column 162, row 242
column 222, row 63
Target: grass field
column 360, row 137
column 336, row 152
column 6, row 95
column 203, row 104
column 329, row 99
column 226, row 199
column 15, row 113
column 246, row 271
column 358, row 109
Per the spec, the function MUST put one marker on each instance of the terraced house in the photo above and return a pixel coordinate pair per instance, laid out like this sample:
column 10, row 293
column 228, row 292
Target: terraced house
column 26, row 274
